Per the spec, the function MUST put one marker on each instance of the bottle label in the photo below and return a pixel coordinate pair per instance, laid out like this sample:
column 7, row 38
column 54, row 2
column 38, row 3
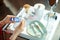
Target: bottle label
column 16, row 19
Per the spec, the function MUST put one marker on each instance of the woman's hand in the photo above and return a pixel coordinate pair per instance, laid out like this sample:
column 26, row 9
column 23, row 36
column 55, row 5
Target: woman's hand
column 18, row 30
column 7, row 19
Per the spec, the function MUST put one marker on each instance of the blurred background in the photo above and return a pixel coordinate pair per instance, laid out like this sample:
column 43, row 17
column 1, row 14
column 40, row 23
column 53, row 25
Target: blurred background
column 13, row 6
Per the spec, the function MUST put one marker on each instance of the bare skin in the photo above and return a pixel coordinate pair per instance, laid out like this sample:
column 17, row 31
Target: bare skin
column 18, row 30
column 7, row 20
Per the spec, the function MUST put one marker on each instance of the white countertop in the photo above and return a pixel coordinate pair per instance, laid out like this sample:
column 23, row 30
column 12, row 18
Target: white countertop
column 51, row 27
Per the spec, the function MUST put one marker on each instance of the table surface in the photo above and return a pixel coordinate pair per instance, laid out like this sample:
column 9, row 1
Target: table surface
column 51, row 27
